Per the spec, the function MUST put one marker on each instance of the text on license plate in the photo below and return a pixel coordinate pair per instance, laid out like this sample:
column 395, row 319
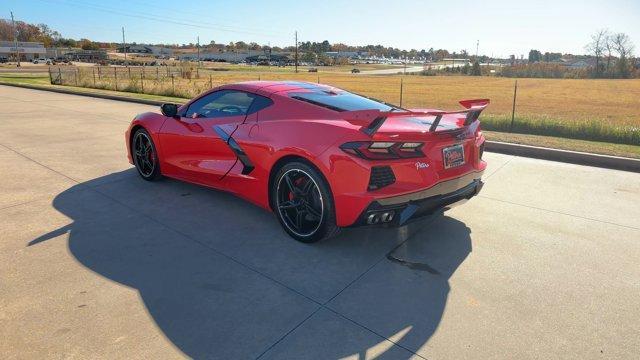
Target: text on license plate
column 453, row 156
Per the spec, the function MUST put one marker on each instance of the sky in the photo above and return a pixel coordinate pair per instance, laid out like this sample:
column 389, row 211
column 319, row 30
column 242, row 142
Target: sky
column 502, row 27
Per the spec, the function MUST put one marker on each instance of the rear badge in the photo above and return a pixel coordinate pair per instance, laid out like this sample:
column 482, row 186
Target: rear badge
column 421, row 165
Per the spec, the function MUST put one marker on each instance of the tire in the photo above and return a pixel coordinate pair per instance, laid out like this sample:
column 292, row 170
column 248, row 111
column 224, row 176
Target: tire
column 145, row 156
column 311, row 197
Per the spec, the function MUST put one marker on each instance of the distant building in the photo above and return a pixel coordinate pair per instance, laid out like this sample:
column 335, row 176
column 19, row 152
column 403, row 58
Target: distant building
column 145, row 49
column 580, row 64
column 347, row 54
column 229, row 56
column 454, row 63
column 87, row 55
column 276, row 58
column 26, row 50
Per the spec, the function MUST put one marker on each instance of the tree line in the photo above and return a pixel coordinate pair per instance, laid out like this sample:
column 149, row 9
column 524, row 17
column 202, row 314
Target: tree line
column 610, row 55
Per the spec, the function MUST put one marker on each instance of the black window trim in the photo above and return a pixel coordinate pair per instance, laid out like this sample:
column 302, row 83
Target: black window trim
column 184, row 112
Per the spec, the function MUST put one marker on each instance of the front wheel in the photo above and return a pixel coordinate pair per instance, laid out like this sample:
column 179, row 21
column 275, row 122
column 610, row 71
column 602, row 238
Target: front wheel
column 303, row 203
column 145, row 156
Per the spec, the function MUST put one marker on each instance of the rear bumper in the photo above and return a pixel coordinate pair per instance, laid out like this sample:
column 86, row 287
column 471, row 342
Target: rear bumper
column 401, row 210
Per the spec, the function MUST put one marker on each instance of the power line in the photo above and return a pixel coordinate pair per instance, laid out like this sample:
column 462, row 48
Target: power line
column 200, row 24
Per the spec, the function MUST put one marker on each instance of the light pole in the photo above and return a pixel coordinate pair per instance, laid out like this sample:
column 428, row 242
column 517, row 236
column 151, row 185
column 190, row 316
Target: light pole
column 124, row 47
column 296, row 52
column 15, row 39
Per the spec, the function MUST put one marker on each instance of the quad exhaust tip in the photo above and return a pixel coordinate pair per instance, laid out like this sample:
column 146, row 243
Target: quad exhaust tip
column 380, row 217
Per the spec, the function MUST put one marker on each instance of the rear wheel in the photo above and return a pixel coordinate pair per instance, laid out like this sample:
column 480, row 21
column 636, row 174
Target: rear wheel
column 303, row 203
column 145, row 156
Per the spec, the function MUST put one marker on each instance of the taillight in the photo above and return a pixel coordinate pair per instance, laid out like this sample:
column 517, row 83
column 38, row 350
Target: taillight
column 379, row 150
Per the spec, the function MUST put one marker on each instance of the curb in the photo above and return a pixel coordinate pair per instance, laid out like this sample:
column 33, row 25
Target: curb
column 566, row 156
column 93, row 95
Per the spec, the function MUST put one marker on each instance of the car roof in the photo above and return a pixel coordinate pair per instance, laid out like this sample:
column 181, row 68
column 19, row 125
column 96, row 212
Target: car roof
column 268, row 88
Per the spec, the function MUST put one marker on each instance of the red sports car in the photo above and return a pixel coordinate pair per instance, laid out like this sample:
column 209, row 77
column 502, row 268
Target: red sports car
column 319, row 157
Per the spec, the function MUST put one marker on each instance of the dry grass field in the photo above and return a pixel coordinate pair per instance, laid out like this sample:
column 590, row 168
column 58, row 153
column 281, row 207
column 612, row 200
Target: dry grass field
column 612, row 101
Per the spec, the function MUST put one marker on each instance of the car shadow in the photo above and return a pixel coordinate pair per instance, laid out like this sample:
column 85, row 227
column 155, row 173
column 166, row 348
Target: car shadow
column 222, row 280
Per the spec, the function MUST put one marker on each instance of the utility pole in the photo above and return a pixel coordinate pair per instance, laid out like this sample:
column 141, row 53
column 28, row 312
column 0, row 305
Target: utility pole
column 477, row 46
column 15, row 39
column 198, row 47
column 404, row 72
column 124, row 47
column 296, row 51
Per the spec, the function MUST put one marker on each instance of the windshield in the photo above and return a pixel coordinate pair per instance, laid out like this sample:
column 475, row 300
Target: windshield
column 342, row 101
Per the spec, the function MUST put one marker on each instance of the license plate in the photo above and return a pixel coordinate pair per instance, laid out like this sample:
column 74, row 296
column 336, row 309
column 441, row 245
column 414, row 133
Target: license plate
column 453, row 156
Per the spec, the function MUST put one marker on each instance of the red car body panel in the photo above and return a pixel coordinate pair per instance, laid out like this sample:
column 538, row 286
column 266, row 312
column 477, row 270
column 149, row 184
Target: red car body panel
column 190, row 149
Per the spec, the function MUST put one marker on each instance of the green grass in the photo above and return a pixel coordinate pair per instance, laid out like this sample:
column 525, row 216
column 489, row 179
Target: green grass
column 39, row 80
column 595, row 147
column 593, row 130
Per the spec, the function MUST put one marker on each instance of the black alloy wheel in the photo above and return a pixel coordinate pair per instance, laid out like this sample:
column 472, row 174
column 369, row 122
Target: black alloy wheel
column 303, row 203
column 145, row 156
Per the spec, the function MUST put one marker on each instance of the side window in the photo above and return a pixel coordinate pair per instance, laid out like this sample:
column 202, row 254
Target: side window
column 221, row 103
column 259, row 103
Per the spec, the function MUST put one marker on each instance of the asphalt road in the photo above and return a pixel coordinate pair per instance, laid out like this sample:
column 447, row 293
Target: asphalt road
column 97, row 263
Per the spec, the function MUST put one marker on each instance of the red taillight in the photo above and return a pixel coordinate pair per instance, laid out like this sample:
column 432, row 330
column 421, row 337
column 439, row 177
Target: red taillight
column 382, row 150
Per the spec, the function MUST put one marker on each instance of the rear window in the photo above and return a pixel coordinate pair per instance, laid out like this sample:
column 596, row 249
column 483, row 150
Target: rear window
column 341, row 101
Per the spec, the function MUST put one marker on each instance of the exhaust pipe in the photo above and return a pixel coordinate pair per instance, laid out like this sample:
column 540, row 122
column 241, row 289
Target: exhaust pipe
column 381, row 217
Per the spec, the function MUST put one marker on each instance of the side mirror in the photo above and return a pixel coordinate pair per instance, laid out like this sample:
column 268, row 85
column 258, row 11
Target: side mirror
column 170, row 110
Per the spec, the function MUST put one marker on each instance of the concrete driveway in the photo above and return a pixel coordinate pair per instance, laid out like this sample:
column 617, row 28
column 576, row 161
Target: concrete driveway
column 97, row 263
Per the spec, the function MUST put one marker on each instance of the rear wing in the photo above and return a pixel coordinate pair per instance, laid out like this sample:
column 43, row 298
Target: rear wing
column 473, row 108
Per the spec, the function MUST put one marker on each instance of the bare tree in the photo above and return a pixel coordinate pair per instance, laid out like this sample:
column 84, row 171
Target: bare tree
column 597, row 46
column 609, row 46
column 623, row 46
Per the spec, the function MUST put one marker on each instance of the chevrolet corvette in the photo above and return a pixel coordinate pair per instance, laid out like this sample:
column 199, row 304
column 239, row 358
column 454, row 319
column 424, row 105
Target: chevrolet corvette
column 319, row 157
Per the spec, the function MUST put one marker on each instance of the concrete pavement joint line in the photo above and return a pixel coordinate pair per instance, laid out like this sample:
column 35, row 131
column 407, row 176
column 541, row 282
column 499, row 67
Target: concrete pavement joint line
column 378, row 261
column 498, row 169
column 321, row 306
column 80, row 187
column 44, row 166
column 559, row 212
column 204, row 245
column 380, row 335
column 289, row 332
column 72, row 140
column 237, row 261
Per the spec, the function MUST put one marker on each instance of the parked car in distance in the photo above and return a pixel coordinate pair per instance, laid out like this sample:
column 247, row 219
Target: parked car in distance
column 42, row 61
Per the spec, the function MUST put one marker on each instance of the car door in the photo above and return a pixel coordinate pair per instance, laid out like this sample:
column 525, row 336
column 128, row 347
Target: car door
column 192, row 148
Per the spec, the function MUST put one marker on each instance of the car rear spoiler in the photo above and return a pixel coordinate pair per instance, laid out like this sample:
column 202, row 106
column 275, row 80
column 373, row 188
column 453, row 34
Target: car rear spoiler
column 473, row 108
